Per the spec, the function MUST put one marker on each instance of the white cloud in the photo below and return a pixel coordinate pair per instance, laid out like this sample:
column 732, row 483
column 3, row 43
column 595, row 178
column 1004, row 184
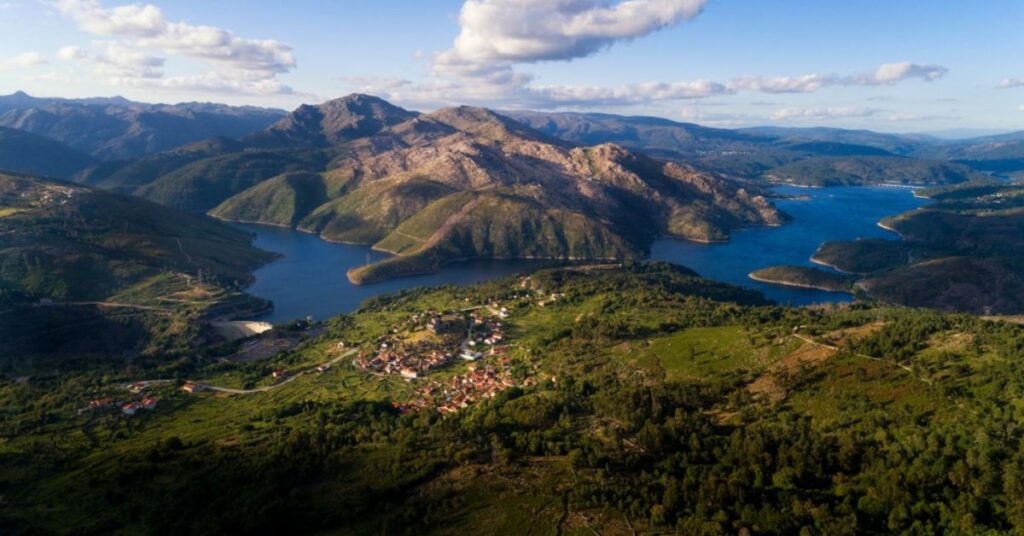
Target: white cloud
column 1020, row 108
column 819, row 114
column 28, row 59
column 1010, row 83
column 238, row 64
column 525, row 31
column 886, row 74
column 503, row 87
column 72, row 53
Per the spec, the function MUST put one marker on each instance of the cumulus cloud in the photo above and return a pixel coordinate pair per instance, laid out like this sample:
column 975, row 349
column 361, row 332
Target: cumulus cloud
column 28, row 59
column 1010, row 83
column 525, row 31
column 239, row 64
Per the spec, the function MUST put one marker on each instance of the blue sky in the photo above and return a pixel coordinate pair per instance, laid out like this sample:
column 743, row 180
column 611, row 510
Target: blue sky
column 893, row 65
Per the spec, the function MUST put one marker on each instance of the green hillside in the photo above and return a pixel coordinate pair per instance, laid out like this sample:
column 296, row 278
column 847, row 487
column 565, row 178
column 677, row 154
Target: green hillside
column 65, row 246
column 635, row 400
column 858, row 170
column 202, row 185
column 27, row 153
column 804, row 277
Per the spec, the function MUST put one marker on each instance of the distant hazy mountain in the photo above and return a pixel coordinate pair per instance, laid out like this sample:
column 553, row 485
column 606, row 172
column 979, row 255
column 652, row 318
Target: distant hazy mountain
column 115, row 128
column 29, row 153
column 767, row 151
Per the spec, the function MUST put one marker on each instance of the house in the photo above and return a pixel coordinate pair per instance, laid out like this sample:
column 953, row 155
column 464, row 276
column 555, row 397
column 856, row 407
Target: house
column 280, row 373
column 192, row 387
column 409, row 373
column 470, row 355
column 101, row 403
column 137, row 387
column 129, row 408
column 449, row 323
column 149, row 402
column 324, row 368
column 503, row 313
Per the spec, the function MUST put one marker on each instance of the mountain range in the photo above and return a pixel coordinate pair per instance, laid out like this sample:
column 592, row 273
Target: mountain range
column 116, row 128
column 456, row 183
column 466, row 182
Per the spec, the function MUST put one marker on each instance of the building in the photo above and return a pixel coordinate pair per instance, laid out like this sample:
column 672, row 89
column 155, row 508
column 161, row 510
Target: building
column 129, row 408
column 280, row 373
column 449, row 323
column 470, row 355
column 409, row 373
column 149, row 402
column 101, row 403
column 192, row 387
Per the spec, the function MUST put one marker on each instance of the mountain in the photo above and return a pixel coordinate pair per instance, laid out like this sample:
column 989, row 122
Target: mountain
column 72, row 252
column 330, row 123
column 621, row 400
column 746, row 152
column 127, row 175
column 468, row 182
column 28, row 153
column 862, row 170
column 112, row 129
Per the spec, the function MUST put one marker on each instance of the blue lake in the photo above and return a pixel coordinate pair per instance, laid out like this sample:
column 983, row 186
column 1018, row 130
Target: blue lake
column 839, row 213
column 310, row 278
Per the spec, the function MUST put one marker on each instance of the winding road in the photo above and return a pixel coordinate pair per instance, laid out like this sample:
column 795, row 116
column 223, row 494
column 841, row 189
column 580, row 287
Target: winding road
column 261, row 389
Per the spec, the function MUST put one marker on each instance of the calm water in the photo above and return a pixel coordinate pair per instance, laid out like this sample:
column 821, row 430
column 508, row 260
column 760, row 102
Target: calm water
column 839, row 213
column 310, row 279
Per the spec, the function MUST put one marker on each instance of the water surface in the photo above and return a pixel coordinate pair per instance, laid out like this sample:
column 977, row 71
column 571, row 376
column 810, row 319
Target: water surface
column 310, row 278
column 835, row 213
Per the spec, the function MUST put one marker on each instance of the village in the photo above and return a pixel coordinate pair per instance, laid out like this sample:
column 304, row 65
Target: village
column 430, row 340
column 414, row 348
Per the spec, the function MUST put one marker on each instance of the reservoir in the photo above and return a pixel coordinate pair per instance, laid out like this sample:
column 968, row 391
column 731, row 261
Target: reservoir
column 819, row 214
column 309, row 280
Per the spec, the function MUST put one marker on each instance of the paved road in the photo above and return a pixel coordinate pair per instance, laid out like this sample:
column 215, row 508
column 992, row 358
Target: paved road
column 281, row 383
column 263, row 389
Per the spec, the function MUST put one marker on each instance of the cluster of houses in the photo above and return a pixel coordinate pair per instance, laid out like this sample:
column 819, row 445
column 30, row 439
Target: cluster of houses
column 460, row 391
column 407, row 360
column 478, row 333
column 126, row 408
